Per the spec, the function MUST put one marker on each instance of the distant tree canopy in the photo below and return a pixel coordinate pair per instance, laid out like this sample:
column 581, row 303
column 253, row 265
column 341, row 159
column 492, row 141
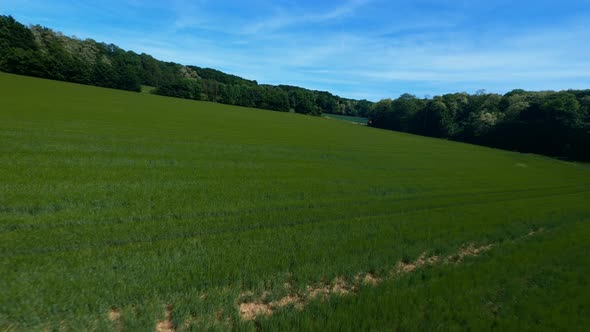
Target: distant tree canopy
column 551, row 123
column 42, row 52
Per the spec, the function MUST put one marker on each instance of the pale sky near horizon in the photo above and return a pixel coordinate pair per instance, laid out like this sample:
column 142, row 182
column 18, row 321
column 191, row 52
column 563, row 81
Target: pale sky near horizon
column 363, row 49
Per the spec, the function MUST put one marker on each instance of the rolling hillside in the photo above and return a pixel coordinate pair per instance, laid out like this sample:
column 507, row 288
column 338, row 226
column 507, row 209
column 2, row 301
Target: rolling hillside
column 126, row 211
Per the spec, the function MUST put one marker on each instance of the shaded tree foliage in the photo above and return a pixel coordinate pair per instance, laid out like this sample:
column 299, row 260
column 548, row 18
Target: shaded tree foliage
column 551, row 123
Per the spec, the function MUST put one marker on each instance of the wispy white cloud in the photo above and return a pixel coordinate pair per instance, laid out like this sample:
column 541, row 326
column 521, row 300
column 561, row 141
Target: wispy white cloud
column 286, row 17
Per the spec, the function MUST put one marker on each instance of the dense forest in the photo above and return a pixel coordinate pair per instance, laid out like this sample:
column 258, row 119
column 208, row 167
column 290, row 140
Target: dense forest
column 551, row 123
column 42, row 52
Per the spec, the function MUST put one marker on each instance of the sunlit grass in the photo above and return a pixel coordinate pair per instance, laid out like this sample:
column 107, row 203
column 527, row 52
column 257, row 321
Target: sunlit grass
column 134, row 201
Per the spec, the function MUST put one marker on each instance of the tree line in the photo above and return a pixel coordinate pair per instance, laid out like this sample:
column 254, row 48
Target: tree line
column 41, row 52
column 551, row 123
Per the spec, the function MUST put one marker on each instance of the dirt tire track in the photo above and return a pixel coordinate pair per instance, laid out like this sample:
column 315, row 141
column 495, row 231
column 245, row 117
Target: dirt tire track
column 250, row 311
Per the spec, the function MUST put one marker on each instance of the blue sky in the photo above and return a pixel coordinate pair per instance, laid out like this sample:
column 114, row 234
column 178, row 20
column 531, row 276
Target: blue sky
column 369, row 49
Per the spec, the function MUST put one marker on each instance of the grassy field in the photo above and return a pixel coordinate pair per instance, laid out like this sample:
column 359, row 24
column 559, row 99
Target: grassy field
column 114, row 205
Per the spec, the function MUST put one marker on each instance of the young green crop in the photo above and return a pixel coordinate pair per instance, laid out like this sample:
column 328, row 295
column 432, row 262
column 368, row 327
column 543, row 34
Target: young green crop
column 110, row 199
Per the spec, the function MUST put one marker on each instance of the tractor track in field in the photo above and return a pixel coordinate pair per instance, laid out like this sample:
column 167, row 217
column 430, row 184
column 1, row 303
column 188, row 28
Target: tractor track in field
column 251, row 310
column 262, row 227
column 250, row 307
column 7, row 228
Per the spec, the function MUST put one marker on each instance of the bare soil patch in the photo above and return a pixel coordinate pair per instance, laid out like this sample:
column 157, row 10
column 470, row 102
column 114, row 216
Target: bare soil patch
column 166, row 325
column 371, row 279
column 340, row 286
column 249, row 311
column 114, row 314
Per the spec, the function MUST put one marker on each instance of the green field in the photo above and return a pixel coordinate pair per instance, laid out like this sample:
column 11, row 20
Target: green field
column 116, row 204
